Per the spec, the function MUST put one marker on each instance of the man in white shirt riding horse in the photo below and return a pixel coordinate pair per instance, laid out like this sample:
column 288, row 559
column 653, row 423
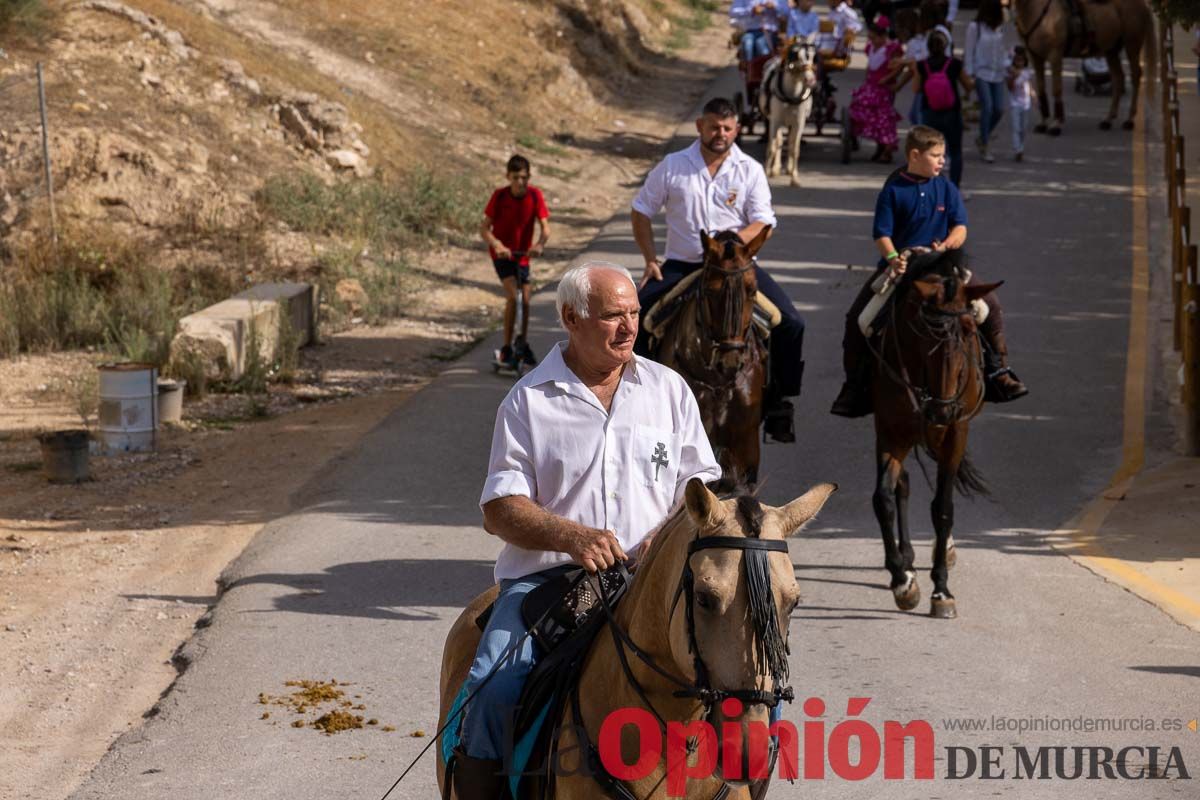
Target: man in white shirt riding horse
column 590, row 452
column 713, row 186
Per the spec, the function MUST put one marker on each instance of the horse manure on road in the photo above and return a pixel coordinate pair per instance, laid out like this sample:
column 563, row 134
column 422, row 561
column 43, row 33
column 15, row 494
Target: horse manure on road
column 337, row 721
column 317, row 697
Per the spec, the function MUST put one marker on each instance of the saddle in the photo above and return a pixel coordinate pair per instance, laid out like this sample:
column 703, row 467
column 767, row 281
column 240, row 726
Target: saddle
column 563, row 615
column 656, row 322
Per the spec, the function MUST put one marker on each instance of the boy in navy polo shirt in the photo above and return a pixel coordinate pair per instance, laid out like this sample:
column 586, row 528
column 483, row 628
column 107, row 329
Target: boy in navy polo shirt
column 919, row 207
column 508, row 223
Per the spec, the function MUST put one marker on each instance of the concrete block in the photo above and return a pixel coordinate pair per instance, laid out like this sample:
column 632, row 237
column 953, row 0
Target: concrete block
column 220, row 334
column 300, row 299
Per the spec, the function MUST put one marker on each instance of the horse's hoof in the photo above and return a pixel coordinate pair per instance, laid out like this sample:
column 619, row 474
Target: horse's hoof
column 1055, row 131
column 1040, row 128
column 1106, row 125
column 1127, row 125
column 907, row 595
column 942, row 607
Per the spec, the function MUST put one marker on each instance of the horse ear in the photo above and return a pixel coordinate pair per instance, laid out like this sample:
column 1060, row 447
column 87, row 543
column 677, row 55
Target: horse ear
column 795, row 514
column 703, row 506
column 755, row 244
column 705, row 241
column 976, row 291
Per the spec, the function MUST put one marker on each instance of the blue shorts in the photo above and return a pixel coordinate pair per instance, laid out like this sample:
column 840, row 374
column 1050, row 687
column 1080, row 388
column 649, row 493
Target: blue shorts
column 508, row 268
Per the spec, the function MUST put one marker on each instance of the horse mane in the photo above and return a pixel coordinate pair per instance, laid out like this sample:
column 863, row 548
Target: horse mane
column 949, row 265
column 945, row 264
column 748, row 507
column 730, row 239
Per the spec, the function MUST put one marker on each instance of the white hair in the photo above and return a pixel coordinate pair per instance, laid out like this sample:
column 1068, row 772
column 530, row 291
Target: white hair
column 575, row 287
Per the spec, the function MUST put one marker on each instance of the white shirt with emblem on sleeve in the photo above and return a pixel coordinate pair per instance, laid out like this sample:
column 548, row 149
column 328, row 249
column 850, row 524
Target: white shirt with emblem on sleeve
column 737, row 196
column 622, row 470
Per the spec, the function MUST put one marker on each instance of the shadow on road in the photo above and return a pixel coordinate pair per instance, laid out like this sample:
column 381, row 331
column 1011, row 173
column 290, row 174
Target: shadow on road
column 389, row 589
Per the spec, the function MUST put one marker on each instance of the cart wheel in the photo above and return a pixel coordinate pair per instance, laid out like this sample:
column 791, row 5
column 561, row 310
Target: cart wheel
column 847, row 136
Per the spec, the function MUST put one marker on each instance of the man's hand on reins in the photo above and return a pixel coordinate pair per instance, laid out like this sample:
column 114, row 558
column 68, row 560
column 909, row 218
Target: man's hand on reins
column 595, row 550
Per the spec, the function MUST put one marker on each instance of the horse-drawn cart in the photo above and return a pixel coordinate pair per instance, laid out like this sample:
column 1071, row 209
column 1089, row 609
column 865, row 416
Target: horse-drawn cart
column 746, row 100
column 833, row 56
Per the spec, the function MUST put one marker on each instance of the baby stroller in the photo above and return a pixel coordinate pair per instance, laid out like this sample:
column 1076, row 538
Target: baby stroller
column 1094, row 78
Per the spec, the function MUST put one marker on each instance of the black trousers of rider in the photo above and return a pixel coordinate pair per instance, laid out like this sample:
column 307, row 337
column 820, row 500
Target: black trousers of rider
column 787, row 339
column 854, row 344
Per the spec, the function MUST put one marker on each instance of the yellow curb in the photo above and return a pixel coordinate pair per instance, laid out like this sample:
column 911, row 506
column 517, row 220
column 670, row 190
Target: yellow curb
column 1083, row 531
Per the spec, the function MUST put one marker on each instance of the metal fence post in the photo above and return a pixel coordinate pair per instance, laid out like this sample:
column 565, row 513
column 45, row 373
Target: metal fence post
column 46, row 155
column 1191, row 356
column 1180, row 242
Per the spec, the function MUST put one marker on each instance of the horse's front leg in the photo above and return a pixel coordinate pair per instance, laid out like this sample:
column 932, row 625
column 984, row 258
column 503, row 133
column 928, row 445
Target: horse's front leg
column 1133, row 52
column 1039, row 72
column 794, row 140
column 774, row 146
column 1056, row 65
column 1117, row 74
column 906, row 548
column 905, row 589
column 941, row 604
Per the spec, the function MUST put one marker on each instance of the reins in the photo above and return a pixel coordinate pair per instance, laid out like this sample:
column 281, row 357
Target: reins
column 1036, row 24
column 452, row 718
column 939, row 325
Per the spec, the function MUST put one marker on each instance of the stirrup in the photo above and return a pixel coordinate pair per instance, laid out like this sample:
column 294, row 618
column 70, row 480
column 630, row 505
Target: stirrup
column 853, row 401
column 992, row 392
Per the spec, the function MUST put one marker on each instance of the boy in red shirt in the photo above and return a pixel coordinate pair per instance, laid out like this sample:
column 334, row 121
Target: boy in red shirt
column 507, row 228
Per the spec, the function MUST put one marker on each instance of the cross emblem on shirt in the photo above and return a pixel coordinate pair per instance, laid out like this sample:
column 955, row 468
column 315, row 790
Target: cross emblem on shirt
column 659, row 459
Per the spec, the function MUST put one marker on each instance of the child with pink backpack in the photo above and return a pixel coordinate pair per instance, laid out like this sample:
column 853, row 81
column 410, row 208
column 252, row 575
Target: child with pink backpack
column 938, row 79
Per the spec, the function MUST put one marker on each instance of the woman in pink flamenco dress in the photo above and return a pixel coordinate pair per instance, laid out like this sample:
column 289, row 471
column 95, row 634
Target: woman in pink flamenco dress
column 872, row 106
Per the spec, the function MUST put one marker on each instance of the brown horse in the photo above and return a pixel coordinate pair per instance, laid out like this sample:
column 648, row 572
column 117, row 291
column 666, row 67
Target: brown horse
column 1111, row 26
column 927, row 388
column 726, row 635
column 715, row 346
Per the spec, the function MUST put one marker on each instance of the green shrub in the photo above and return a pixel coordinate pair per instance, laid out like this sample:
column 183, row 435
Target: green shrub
column 28, row 17
column 99, row 291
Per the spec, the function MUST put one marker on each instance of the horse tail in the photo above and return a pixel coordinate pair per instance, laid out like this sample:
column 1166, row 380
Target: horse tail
column 1150, row 74
column 969, row 480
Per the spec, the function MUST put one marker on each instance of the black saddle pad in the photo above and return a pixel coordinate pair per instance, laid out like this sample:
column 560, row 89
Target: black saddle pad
column 571, row 615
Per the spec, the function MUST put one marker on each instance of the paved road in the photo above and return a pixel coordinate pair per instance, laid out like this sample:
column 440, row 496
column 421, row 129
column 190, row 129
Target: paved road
column 363, row 584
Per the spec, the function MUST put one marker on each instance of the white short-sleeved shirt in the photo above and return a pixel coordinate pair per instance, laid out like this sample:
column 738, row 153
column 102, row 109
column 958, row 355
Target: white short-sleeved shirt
column 621, row 470
column 735, row 197
column 845, row 18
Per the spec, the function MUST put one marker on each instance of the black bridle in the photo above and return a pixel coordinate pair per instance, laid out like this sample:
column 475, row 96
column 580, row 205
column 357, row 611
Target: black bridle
column 945, row 328
column 793, row 55
column 731, row 334
column 771, row 646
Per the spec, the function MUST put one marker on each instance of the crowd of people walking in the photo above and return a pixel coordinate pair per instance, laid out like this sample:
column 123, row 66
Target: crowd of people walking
column 911, row 41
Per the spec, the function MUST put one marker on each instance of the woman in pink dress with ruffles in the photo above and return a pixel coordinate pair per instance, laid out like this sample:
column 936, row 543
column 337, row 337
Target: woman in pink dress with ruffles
column 872, row 106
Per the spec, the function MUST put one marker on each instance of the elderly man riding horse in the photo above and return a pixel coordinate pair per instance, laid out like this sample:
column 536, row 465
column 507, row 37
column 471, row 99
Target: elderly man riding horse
column 591, row 451
column 713, row 186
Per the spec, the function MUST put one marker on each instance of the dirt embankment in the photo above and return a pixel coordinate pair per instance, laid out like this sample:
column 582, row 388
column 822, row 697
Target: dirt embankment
column 167, row 117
